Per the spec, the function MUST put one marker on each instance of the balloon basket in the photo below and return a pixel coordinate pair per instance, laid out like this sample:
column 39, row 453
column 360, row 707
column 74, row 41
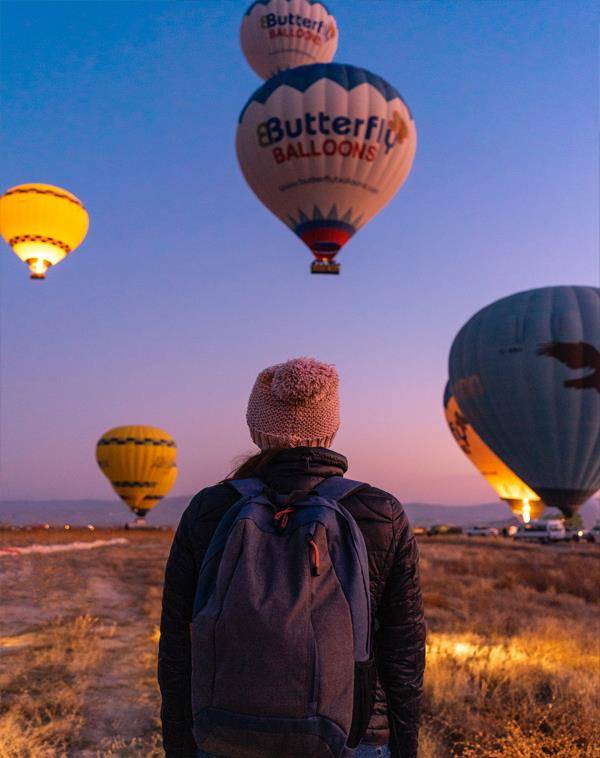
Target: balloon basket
column 325, row 267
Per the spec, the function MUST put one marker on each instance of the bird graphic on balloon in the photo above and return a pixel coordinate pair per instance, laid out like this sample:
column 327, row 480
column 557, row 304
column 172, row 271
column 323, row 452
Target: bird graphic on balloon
column 576, row 355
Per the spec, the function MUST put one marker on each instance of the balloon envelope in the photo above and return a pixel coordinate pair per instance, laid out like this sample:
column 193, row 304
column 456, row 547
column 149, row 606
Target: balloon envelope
column 526, row 372
column 279, row 34
column 135, row 459
column 325, row 148
column 521, row 499
column 42, row 224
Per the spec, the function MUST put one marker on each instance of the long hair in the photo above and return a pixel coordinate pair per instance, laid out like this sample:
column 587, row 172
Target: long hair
column 253, row 465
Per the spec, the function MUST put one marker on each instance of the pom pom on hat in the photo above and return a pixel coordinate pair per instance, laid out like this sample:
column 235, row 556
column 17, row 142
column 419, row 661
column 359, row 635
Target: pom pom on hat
column 302, row 380
column 295, row 404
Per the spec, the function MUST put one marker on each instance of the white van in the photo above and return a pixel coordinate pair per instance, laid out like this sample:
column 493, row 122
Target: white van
column 551, row 530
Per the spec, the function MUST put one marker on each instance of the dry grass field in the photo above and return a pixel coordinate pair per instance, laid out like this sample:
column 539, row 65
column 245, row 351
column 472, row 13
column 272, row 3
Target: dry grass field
column 513, row 658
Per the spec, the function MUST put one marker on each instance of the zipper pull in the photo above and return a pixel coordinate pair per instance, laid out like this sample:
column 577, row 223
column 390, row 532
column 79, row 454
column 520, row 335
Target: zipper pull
column 281, row 519
column 315, row 558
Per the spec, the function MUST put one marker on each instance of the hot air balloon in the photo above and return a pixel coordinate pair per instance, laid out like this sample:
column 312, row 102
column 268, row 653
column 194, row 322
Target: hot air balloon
column 135, row 459
column 281, row 34
column 522, row 500
column 325, row 148
column 42, row 224
column 162, row 488
column 526, row 372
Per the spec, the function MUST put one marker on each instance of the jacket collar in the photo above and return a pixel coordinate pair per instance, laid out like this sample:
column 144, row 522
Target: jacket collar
column 303, row 467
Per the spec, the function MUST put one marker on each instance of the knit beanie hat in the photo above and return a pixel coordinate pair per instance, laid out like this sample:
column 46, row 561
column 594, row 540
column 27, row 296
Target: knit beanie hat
column 295, row 404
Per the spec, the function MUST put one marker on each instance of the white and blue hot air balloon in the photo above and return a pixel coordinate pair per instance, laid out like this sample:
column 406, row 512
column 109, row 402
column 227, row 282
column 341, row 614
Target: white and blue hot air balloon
column 525, row 371
column 279, row 34
column 325, row 147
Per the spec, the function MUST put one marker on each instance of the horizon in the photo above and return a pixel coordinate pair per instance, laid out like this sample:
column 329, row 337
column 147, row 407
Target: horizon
column 102, row 513
column 186, row 286
column 117, row 501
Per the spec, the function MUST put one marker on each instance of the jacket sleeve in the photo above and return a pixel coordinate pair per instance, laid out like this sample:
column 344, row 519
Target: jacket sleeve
column 400, row 640
column 174, row 656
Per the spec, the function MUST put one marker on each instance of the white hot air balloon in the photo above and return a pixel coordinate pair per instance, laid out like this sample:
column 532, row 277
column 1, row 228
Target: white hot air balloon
column 281, row 34
column 326, row 147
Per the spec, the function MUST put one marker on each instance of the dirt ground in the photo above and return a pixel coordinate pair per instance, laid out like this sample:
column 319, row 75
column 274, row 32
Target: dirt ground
column 513, row 658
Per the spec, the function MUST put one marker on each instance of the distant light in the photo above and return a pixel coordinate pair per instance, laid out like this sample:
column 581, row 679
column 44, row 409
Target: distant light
column 526, row 511
column 67, row 526
column 580, row 533
column 46, row 526
column 463, row 649
column 91, row 527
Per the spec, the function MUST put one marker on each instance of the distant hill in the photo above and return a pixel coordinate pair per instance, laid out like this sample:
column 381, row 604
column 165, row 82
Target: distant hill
column 81, row 512
column 111, row 512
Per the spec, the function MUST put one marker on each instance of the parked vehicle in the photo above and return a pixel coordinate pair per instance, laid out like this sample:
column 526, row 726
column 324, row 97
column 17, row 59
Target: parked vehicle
column 594, row 534
column 483, row 531
column 439, row 529
column 552, row 530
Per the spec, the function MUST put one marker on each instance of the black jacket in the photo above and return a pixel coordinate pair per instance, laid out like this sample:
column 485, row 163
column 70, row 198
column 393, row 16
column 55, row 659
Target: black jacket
column 395, row 597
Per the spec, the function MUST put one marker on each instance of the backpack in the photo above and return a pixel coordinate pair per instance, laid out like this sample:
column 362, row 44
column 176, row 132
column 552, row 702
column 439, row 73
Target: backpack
column 281, row 629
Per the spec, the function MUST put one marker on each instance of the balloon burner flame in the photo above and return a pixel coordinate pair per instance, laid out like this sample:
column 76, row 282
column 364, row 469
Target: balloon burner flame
column 38, row 268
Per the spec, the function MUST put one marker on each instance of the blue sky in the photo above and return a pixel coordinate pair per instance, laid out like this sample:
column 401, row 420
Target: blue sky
column 186, row 286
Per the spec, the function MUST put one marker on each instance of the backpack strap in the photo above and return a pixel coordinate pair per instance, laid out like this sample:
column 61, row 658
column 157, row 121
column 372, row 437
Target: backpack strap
column 247, row 487
column 337, row 488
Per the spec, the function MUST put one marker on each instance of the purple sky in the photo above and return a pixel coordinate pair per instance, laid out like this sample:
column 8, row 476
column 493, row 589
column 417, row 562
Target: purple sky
column 186, row 286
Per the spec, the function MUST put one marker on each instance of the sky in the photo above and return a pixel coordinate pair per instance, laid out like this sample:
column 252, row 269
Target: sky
column 186, row 286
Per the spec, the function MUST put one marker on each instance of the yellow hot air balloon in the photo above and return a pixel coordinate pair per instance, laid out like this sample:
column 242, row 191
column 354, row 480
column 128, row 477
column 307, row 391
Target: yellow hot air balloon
column 522, row 500
column 162, row 488
column 42, row 224
column 135, row 459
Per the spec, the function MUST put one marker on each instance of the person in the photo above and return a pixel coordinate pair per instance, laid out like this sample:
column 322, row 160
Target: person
column 293, row 416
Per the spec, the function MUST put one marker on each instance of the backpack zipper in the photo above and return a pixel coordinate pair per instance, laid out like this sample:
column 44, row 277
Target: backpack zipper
column 314, row 562
column 314, row 695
